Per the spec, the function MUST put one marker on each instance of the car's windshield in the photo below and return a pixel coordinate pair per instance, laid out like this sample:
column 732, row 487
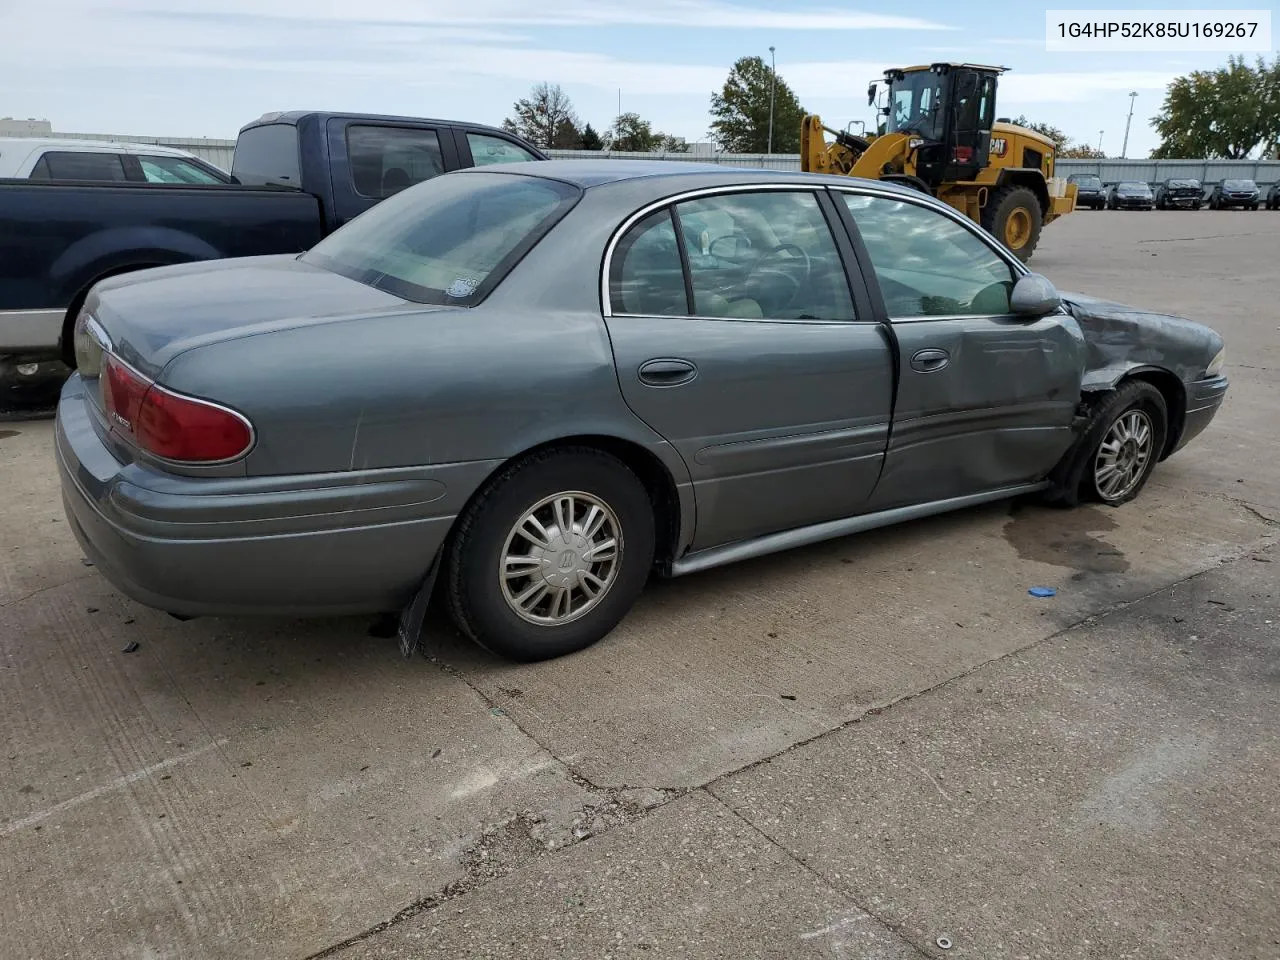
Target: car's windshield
column 1237, row 184
column 1084, row 181
column 450, row 239
column 1133, row 187
column 913, row 103
column 1183, row 183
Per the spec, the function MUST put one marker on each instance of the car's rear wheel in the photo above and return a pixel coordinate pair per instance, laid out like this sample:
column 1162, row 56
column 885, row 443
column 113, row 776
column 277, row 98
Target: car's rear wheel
column 549, row 558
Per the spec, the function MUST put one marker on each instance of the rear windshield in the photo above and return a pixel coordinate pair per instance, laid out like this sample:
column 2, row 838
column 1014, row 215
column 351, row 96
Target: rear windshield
column 267, row 155
column 448, row 240
column 1238, row 184
column 1184, row 183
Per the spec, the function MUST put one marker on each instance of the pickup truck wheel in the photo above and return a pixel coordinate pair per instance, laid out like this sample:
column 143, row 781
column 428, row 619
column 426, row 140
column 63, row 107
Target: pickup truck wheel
column 549, row 558
column 1119, row 446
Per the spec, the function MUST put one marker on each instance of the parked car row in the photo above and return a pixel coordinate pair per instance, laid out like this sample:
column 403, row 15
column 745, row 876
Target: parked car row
column 1176, row 193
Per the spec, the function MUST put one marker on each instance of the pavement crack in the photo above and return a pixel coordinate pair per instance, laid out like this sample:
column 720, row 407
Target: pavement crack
column 809, row 869
column 498, row 710
column 1269, row 521
column 52, row 586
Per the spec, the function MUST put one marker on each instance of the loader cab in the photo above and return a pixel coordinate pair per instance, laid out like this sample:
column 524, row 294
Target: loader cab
column 950, row 109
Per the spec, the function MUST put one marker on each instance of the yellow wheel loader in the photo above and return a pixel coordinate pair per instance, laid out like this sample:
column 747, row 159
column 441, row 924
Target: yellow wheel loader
column 939, row 134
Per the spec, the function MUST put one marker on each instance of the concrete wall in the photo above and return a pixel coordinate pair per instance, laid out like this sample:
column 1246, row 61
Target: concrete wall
column 219, row 153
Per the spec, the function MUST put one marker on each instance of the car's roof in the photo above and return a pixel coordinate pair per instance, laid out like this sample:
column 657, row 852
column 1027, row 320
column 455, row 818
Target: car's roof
column 105, row 146
column 587, row 173
column 294, row 117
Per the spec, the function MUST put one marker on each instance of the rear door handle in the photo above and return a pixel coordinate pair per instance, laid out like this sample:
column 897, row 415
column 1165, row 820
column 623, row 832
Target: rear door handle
column 929, row 361
column 666, row 372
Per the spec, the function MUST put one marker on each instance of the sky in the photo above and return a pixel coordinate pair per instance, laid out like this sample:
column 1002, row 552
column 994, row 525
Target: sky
column 204, row 68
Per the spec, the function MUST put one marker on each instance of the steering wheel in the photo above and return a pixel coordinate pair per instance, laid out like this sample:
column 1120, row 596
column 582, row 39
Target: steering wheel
column 796, row 282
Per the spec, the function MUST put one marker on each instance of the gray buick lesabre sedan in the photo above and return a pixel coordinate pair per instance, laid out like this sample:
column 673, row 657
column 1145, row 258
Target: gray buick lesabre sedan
column 528, row 386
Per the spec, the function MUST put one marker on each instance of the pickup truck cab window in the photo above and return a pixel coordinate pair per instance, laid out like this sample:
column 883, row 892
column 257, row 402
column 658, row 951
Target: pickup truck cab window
column 486, row 149
column 268, row 154
column 927, row 264
column 79, row 165
column 386, row 160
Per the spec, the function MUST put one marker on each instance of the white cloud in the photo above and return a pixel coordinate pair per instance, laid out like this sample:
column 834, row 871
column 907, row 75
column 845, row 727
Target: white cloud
column 52, row 17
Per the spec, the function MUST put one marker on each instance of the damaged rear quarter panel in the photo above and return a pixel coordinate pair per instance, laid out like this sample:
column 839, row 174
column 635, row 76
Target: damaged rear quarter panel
column 1121, row 340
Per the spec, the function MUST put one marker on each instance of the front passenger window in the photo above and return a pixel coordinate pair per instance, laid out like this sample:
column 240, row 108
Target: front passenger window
column 927, row 264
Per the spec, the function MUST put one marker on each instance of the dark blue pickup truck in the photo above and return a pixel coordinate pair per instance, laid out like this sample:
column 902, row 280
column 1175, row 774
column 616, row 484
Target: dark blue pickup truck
column 296, row 177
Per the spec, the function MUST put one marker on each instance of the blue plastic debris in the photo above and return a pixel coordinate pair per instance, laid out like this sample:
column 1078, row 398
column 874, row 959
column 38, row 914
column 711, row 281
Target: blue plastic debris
column 1043, row 592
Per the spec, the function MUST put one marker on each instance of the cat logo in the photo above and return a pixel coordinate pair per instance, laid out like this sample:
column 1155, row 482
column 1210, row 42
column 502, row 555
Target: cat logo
column 998, row 146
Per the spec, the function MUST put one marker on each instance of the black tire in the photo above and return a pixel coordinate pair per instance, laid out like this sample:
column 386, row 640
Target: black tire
column 1253, row 206
column 473, row 560
column 1196, row 205
column 1075, row 480
column 1001, row 206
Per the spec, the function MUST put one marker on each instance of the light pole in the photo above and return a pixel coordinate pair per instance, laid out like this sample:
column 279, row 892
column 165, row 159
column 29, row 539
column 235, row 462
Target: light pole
column 1100, row 133
column 1124, row 149
column 773, row 85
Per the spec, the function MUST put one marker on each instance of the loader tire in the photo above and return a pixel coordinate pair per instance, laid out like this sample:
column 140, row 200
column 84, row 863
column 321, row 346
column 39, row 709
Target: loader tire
column 1013, row 217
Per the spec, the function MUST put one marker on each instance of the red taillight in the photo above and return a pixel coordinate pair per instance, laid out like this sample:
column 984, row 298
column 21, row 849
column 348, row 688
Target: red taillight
column 963, row 154
column 168, row 424
column 122, row 393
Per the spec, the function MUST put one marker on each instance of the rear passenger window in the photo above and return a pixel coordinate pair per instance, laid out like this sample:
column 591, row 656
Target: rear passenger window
column 76, row 165
column 766, row 255
column 645, row 274
column 386, row 160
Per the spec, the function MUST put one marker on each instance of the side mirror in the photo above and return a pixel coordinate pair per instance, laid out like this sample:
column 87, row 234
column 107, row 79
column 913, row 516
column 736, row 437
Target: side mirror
column 871, row 94
column 1034, row 296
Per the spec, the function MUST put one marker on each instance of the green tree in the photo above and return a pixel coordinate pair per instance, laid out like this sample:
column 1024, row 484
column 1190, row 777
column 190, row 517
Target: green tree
column 545, row 118
column 1045, row 130
column 1063, row 145
column 1226, row 113
column 590, row 140
column 1082, row 151
column 740, row 112
column 630, row 133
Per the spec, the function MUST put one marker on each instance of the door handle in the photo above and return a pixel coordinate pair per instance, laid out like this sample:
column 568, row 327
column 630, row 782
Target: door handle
column 929, row 361
column 666, row 372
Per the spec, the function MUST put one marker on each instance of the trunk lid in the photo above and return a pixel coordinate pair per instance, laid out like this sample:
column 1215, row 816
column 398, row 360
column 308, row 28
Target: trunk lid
column 148, row 318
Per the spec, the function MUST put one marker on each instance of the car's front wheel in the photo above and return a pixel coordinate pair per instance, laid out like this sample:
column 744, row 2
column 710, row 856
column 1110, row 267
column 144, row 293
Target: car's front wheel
column 549, row 558
column 1123, row 443
column 1118, row 448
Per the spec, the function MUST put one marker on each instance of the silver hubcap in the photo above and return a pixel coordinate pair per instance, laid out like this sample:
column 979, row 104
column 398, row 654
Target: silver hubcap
column 561, row 558
column 1123, row 456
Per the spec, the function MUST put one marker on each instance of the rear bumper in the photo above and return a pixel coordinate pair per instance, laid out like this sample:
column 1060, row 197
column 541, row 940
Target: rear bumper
column 33, row 334
column 292, row 546
column 1204, row 399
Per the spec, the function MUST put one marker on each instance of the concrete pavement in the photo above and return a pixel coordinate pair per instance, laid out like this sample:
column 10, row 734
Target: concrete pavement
column 288, row 789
